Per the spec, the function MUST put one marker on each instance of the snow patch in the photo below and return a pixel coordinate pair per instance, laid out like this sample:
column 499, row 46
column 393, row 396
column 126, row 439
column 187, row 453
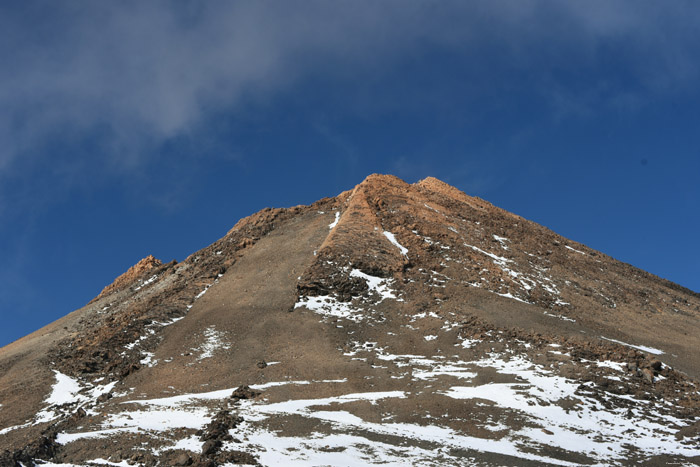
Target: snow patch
column 335, row 222
column 574, row 249
column 643, row 348
column 146, row 282
column 68, row 394
column 214, row 340
column 394, row 242
column 456, row 371
column 375, row 284
column 562, row 317
column 147, row 360
column 502, row 241
column 468, row 343
column 510, row 295
column 499, row 260
column 328, row 306
column 585, row 429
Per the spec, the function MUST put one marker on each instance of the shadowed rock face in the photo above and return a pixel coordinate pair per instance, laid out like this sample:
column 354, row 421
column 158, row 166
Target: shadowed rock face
column 393, row 323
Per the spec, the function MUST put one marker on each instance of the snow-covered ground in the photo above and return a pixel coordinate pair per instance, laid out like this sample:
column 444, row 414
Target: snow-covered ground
column 67, row 395
column 559, row 418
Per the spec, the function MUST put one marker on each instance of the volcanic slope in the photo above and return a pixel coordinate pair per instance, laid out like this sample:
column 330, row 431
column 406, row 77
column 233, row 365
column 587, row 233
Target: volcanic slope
column 394, row 323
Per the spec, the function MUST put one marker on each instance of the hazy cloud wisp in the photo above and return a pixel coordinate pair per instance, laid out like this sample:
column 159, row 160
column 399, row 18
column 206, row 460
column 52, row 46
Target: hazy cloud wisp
column 144, row 72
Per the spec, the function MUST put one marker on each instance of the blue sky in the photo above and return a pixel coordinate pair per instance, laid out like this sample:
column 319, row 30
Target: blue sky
column 136, row 128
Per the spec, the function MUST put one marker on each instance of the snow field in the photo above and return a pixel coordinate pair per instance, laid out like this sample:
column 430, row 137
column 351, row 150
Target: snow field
column 558, row 416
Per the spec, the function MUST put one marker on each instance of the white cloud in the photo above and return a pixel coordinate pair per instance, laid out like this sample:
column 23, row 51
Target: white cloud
column 144, row 72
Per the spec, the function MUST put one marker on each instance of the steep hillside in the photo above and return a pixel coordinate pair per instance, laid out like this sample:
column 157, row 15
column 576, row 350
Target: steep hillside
column 394, row 323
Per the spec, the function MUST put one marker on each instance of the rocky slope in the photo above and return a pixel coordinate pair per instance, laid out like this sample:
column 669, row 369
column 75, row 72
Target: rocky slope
column 393, row 323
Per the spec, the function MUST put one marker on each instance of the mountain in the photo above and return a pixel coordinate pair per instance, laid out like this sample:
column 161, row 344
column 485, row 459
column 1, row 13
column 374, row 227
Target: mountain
column 404, row 324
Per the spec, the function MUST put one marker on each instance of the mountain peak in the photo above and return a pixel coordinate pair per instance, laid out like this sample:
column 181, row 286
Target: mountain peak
column 382, row 179
column 394, row 323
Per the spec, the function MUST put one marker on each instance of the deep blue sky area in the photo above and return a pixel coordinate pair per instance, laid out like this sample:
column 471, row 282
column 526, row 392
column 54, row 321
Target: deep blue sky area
column 136, row 128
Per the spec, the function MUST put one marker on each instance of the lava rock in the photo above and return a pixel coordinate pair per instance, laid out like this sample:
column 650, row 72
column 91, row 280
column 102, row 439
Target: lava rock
column 690, row 431
column 104, row 397
column 183, row 459
column 244, row 392
column 210, row 447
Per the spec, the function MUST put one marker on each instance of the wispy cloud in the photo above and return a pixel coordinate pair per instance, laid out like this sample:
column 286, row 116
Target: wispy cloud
column 139, row 73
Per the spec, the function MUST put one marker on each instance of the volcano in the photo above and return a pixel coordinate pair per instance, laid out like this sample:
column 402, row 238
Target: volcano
column 395, row 323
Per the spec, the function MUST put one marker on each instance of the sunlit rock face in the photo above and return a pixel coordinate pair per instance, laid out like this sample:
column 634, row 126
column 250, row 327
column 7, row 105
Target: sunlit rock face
column 400, row 324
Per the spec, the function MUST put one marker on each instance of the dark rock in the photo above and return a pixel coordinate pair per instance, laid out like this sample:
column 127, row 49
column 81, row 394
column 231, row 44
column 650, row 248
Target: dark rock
column 210, row 447
column 345, row 288
column 216, row 433
column 7, row 458
column 690, row 431
column 182, row 459
column 44, row 447
column 130, row 369
column 148, row 460
column 261, row 364
column 244, row 392
column 237, row 457
column 583, row 354
column 205, row 463
column 104, row 397
column 656, row 365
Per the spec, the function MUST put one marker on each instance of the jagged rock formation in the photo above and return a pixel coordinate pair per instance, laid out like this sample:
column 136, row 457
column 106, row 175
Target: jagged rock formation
column 392, row 323
column 134, row 273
